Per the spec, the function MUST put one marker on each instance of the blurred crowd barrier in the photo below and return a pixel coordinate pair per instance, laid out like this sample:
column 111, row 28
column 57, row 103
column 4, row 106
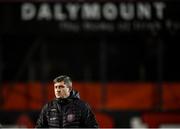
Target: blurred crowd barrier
column 110, row 96
column 115, row 104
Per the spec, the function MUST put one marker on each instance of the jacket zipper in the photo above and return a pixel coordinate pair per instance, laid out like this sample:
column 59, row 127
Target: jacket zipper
column 60, row 114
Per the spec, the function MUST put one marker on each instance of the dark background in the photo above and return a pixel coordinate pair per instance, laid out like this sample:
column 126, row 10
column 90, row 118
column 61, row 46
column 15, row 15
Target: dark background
column 37, row 51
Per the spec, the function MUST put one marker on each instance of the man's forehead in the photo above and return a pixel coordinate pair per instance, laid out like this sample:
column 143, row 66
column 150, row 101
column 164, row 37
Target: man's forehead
column 59, row 83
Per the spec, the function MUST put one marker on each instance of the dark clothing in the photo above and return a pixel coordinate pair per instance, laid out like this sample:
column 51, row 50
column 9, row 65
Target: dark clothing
column 67, row 113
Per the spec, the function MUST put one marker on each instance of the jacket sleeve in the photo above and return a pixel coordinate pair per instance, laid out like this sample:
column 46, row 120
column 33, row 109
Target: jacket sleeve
column 42, row 120
column 89, row 119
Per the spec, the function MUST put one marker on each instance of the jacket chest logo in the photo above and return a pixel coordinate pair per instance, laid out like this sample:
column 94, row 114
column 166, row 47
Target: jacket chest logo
column 70, row 117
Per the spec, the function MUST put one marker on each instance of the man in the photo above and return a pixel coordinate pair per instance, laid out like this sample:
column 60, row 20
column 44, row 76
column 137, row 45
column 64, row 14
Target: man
column 66, row 110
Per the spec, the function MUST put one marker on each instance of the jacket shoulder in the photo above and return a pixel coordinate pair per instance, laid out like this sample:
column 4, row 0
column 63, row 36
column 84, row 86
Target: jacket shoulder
column 49, row 105
column 82, row 104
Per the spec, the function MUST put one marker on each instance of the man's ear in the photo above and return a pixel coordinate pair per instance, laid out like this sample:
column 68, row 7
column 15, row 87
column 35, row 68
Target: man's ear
column 70, row 89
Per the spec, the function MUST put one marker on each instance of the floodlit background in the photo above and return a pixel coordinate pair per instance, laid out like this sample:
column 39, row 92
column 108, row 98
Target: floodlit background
column 123, row 58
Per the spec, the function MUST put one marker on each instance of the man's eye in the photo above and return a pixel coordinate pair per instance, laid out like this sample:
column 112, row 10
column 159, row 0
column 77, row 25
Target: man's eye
column 59, row 87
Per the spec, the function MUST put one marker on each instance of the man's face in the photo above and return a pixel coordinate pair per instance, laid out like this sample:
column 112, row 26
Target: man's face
column 61, row 90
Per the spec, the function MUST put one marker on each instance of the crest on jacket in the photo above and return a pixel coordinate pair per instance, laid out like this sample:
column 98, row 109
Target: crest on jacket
column 70, row 117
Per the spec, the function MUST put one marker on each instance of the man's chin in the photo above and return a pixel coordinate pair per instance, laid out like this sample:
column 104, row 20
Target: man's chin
column 62, row 96
column 58, row 97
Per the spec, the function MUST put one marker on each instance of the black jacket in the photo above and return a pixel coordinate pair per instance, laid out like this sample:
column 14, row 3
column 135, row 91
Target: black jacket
column 67, row 113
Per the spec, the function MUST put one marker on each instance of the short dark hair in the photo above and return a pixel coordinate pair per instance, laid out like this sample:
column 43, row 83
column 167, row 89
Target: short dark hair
column 67, row 80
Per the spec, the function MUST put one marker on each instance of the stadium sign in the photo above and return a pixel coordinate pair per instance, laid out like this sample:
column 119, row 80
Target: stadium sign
column 92, row 16
column 93, row 11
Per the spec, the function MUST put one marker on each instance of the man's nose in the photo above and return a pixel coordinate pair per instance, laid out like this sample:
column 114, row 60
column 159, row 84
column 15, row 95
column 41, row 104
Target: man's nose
column 58, row 89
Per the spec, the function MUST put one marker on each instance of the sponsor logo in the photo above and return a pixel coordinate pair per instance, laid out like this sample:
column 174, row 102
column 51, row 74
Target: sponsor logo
column 53, row 110
column 53, row 118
